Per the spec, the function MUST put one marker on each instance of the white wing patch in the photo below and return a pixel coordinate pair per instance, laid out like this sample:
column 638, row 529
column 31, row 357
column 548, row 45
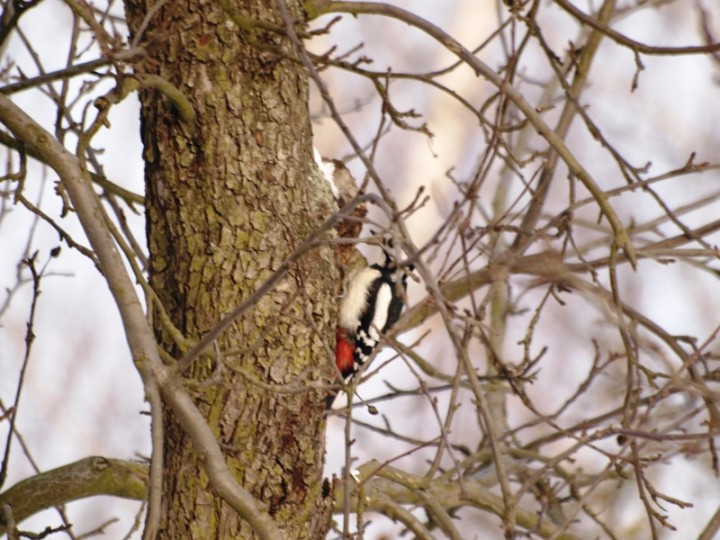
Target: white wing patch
column 371, row 337
column 382, row 308
column 355, row 300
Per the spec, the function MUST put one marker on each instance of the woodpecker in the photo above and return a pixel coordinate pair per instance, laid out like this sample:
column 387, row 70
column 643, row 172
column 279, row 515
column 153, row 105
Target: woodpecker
column 372, row 304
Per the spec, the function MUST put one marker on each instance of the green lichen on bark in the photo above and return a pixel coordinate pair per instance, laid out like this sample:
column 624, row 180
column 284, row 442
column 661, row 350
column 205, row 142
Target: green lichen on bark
column 226, row 204
column 88, row 477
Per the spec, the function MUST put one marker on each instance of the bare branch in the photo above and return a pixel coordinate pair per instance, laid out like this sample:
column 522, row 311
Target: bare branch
column 139, row 335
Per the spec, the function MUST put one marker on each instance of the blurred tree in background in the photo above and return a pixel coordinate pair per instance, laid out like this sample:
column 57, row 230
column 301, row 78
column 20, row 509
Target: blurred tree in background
column 549, row 169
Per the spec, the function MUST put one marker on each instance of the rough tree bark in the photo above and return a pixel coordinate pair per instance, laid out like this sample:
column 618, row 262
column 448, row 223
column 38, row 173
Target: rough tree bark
column 228, row 198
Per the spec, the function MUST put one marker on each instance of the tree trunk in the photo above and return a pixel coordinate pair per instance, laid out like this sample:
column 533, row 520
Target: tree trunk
column 228, row 199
